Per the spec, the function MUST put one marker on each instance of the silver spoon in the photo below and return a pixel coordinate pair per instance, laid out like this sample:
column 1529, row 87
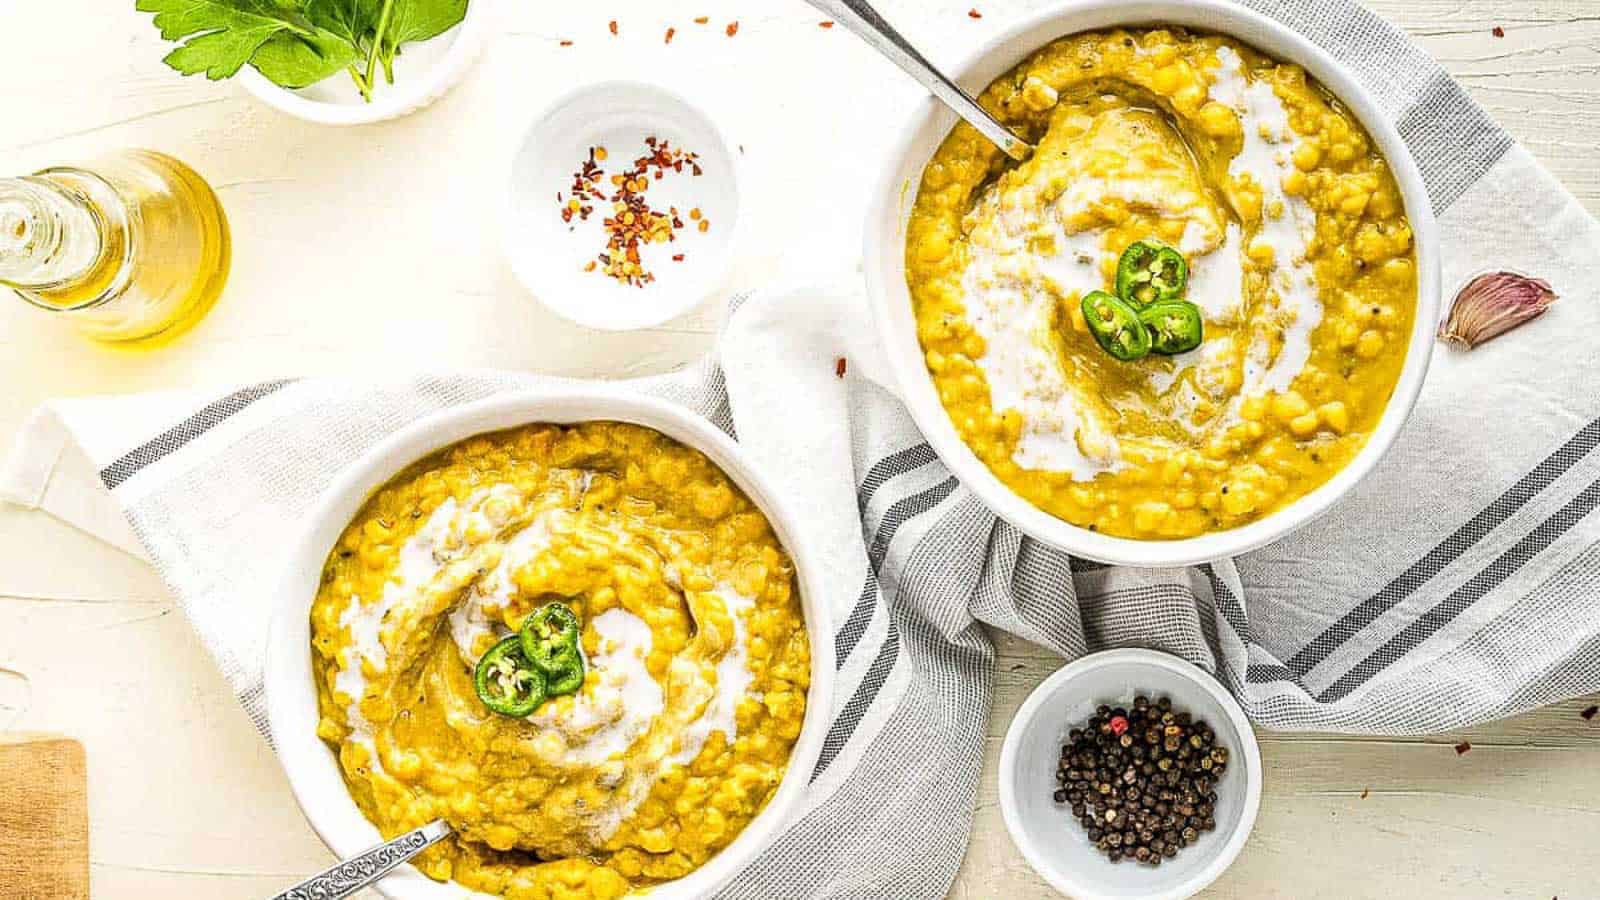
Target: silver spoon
column 861, row 18
column 363, row 869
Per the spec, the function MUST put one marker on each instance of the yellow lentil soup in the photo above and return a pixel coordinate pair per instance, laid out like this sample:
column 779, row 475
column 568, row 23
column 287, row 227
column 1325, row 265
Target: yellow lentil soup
column 697, row 659
column 1301, row 263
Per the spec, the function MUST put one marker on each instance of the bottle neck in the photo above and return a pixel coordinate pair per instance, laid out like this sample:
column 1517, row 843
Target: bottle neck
column 48, row 236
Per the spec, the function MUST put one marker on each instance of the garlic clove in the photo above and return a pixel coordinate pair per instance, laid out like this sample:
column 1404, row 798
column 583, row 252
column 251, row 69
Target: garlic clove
column 1493, row 304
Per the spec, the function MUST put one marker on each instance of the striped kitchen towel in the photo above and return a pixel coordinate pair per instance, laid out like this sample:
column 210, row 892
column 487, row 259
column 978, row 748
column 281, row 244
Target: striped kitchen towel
column 1457, row 584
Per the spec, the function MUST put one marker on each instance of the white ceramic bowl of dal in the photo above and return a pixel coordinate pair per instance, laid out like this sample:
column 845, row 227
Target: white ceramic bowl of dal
column 1054, row 844
column 897, row 190
column 291, row 693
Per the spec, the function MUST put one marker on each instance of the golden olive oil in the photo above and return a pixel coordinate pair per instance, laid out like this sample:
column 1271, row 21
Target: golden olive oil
column 128, row 248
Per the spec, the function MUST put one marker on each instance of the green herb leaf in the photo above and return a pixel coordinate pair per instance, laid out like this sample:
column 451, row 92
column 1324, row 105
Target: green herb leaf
column 295, row 62
column 352, row 20
column 421, row 20
column 295, row 43
column 220, row 36
column 417, row 20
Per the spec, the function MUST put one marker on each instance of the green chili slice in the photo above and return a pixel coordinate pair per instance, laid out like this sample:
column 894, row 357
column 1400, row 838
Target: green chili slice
column 1175, row 326
column 1150, row 273
column 1115, row 326
column 506, row 682
column 550, row 638
column 568, row 680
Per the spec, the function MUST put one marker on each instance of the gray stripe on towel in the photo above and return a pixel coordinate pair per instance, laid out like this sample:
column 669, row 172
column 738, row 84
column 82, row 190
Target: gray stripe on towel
column 1453, row 140
column 1448, row 550
column 176, row 437
column 1462, row 598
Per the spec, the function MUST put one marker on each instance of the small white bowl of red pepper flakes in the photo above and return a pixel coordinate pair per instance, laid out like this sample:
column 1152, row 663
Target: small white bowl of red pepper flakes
column 622, row 206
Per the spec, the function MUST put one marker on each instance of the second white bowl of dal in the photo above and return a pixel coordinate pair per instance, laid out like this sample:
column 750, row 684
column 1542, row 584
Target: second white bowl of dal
column 528, row 441
column 1134, row 104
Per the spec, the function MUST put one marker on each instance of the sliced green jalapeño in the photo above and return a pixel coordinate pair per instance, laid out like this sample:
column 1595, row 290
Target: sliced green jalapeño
column 568, row 680
column 1150, row 273
column 507, row 682
column 1115, row 326
column 1175, row 326
column 550, row 638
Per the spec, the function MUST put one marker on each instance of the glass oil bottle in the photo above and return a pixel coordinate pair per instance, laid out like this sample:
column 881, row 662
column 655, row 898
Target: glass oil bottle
column 130, row 247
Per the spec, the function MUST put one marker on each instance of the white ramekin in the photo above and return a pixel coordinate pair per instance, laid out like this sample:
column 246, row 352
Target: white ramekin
column 1044, row 831
column 548, row 255
column 891, row 300
column 292, row 698
column 425, row 72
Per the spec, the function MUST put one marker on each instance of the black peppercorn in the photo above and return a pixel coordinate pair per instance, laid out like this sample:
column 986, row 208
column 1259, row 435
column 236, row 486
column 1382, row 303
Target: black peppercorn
column 1140, row 779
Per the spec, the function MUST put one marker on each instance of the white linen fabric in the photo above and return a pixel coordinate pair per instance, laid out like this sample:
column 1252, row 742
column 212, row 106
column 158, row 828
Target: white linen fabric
column 1456, row 584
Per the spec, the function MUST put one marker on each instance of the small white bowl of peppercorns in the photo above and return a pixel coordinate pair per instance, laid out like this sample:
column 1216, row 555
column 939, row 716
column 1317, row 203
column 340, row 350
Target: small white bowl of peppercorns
column 1130, row 774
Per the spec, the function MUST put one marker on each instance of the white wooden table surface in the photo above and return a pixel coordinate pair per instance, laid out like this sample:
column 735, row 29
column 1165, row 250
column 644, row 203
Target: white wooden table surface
column 375, row 248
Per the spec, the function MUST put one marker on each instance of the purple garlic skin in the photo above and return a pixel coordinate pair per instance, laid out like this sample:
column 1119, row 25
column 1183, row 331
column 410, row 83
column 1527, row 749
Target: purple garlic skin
column 1493, row 304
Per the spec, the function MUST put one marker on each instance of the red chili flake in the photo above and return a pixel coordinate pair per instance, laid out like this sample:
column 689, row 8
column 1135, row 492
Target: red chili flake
column 670, row 33
column 1119, row 725
column 1462, row 747
column 632, row 223
column 701, row 20
column 1498, row 31
column 677, row 257
column 566, row 43
column 840, row 366
column 825, row 24
column 1590, row 713
column 974, row 14
column 733, row 28
column 613, row 26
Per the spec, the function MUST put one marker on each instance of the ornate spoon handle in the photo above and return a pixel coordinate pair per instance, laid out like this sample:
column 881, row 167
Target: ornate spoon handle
column 359, row 871
column 861, row 18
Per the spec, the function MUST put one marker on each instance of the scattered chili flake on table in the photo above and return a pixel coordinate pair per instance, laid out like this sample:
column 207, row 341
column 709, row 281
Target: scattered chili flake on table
column 840, row 366
column 973, row 13
column 566, row 43
column 733, row 28
column 702, row 20
column 1462, row 747
column 1590, row 713
column 613, row 26
column 633, row 223
column 670, row 33
column 1498, row 31
column 825, row 24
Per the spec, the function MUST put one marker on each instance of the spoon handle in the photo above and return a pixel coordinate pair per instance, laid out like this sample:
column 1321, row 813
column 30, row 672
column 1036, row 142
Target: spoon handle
column 357, row 872
column 861, row 18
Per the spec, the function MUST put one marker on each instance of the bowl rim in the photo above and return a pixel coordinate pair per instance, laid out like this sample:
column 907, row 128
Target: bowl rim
column 395, row 100
column 291, row 699
column 890, row 298
column 1249, row 749
column 525, row 266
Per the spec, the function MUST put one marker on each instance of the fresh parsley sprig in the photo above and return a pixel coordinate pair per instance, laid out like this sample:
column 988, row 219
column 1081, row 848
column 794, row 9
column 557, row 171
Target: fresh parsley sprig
column 296, row 43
